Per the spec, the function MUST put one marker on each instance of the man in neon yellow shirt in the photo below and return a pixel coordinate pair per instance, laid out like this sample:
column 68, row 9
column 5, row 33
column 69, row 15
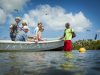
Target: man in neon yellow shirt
column 67, row 37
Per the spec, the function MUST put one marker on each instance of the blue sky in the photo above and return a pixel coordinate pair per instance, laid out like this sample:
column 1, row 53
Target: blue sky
column 84, row 15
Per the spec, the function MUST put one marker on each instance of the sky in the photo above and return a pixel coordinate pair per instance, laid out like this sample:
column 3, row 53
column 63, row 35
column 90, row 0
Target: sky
column 83, row 15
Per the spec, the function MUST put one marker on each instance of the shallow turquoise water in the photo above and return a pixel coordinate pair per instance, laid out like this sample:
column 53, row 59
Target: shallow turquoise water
column 50, row 63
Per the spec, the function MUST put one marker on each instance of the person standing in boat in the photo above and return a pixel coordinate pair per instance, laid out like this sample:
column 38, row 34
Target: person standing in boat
column 14, row 28
column 68, row 35
column 23, row 35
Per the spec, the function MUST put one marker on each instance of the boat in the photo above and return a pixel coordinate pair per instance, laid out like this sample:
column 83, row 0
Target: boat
column 8, row 45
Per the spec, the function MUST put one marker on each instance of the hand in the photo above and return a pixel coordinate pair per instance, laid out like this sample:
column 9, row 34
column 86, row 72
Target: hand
column 36, row 41
column 61, row 38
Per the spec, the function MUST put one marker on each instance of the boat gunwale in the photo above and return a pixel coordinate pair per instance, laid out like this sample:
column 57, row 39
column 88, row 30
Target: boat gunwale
column 27, row 42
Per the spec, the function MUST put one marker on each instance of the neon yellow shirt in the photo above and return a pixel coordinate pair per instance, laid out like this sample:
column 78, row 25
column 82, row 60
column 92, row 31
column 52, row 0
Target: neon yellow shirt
column 68, row 34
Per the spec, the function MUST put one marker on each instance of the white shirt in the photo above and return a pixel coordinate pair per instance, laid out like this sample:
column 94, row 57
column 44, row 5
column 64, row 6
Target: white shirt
column 36, row 30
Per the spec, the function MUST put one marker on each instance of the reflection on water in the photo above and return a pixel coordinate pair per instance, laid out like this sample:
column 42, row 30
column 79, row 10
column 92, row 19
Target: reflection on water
column 50, row 63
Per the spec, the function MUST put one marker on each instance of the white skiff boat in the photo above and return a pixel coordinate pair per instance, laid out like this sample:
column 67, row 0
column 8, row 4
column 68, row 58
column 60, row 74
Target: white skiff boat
column 6, row 45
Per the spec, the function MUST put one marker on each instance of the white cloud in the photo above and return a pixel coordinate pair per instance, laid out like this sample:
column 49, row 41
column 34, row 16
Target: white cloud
column 11, row 19
column 52, row 17
column 8, row 6
column 11, row 5
column 2, row 17
column 56, row 17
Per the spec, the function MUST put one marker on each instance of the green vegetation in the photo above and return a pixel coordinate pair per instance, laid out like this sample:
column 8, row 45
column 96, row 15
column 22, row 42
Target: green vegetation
column 88, row 44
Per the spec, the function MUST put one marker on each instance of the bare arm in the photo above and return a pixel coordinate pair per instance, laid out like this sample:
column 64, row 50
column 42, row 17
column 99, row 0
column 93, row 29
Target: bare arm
column 63, row 35
column 10, row 28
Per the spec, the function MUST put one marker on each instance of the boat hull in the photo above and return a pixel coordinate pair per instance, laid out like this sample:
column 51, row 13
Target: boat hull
column 30, row 46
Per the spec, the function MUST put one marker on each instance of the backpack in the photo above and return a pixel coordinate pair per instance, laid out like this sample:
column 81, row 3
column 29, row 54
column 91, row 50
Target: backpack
column 14, row 29
column 73, row 34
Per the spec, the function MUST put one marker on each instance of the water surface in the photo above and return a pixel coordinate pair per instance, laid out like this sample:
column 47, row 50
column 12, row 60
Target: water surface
column 50, row 63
